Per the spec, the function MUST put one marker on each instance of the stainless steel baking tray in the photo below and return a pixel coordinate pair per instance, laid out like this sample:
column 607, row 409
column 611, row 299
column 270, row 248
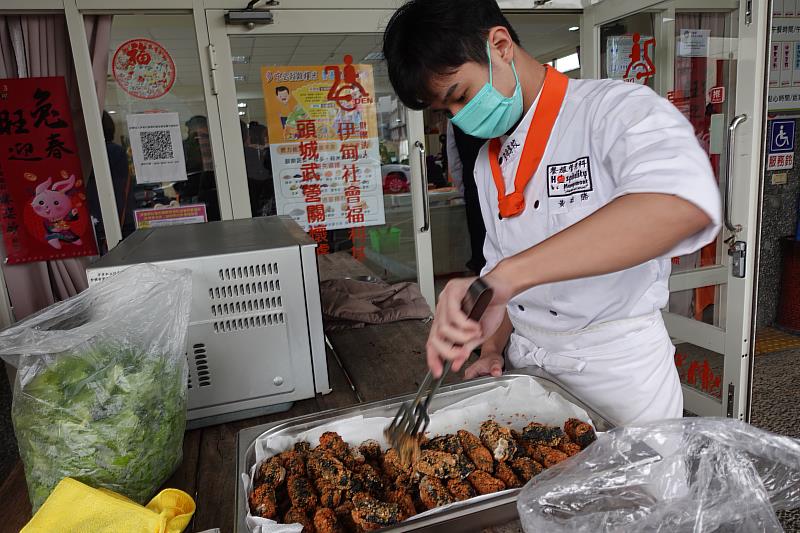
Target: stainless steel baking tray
column 488, row 512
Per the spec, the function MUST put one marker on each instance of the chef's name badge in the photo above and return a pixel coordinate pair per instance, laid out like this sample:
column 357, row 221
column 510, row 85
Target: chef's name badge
column 569, row 185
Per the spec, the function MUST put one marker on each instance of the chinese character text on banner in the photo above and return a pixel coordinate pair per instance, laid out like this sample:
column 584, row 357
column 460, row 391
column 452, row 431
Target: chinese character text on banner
column 323, row 136
column 43, row 211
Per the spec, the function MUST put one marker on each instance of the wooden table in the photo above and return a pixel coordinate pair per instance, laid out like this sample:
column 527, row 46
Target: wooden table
column 377, row 362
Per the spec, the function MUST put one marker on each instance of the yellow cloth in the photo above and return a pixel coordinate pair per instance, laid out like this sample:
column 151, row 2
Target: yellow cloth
column 77, row 508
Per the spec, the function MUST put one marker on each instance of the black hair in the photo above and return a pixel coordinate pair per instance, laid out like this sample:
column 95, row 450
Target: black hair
column 425, row 38
column 197, row 121
column 280, row 88
column 243, row 127
column 108, row 127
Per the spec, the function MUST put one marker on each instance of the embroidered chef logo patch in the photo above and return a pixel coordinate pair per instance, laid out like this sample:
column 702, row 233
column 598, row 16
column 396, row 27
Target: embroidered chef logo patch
column 569, row 184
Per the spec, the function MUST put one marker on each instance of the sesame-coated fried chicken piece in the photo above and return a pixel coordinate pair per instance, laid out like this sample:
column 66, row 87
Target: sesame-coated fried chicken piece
column 369, row 479
column 525, row 468
column 301, row 493
column 580, row 432
column 353, row 459
column 270, row 473
column 476, row 451
column 392, row 465
column 371, row 450
column 372, row 514
column 443, row 465
column 404, row 500
column 485, row 483
column 325, row 521
column 263, row 502
column 499, row 440
column 345, row 508
column 433, row 493
column 547, row 456
column 326, row 466
column 460, row 489
column 302, row 447
column 504, row 473
column 525, row 447
column 444, row 443
column 329, row 495
column 293, row 462
column 299, row 516
column 543, row 434
column 569, row 448
column 333, row 442
column 406, row 481
column 345, row 516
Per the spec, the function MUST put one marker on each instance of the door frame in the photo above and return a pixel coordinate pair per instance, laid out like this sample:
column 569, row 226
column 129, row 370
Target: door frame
column 735, row 341
column 74, row 11
column 223, row 88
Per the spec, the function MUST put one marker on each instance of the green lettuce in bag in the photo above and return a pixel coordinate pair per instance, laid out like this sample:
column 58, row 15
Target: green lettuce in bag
column 100, row 394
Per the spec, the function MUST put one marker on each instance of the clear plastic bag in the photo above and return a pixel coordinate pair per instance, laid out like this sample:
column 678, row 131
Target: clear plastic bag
column 100, row 394
column 692, row 474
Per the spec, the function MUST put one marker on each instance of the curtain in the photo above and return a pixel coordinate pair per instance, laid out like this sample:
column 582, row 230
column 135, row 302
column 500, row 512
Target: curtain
column 38, row 45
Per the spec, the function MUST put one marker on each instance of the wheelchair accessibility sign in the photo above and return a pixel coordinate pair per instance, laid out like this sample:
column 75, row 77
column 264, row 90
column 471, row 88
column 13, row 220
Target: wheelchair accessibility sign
column 781, row 136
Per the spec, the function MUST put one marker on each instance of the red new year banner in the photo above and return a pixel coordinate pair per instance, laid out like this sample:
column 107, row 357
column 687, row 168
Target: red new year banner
column 43, row 211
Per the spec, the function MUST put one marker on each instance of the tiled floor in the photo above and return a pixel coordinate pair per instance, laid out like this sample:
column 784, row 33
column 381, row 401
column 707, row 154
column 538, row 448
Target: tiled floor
column 776, row 405
column 770, row 340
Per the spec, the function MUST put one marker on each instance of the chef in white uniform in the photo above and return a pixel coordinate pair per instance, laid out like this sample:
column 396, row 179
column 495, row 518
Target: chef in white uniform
column 587, row 189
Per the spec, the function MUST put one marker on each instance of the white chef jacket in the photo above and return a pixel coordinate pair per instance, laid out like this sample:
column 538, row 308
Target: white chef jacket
column 611, row 138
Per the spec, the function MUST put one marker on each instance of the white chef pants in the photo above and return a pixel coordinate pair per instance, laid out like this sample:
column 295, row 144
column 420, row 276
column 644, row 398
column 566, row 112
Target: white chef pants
column 624, row 369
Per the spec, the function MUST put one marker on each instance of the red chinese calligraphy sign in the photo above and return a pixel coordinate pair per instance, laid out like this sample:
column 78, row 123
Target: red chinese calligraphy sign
column 143, row 68
column 43, row 210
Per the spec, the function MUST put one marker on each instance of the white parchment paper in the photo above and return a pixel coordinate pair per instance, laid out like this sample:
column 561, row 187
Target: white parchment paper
column 515, row 402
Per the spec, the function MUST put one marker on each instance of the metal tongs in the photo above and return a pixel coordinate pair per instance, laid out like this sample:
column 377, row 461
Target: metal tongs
column 412, row 418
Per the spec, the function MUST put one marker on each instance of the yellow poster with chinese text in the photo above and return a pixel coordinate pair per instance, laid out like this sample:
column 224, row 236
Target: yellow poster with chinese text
column 323, row 135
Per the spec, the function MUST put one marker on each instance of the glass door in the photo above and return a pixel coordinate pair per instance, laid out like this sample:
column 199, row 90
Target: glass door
column 312, row 129
column 707, row 58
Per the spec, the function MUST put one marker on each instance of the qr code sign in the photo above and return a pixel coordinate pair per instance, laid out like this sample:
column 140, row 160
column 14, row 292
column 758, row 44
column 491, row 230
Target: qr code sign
column 156, row 145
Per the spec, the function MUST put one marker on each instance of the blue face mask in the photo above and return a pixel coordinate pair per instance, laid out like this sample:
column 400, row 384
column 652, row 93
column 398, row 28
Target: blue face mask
column 489, row 114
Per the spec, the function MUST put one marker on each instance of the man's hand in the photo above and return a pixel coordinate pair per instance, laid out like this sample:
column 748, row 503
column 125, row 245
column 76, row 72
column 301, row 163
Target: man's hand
column 489, row 364
column 453, row 335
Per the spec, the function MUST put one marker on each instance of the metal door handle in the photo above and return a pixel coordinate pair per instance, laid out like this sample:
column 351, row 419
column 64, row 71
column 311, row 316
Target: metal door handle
column 737, row 120
column 426, row 208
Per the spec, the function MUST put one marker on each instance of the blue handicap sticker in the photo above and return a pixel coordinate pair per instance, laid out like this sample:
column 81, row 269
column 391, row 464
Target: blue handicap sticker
column 781, row 136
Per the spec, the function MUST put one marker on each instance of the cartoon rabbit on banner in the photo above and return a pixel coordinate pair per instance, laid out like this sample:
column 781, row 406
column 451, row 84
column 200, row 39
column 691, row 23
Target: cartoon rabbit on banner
column 53, row 204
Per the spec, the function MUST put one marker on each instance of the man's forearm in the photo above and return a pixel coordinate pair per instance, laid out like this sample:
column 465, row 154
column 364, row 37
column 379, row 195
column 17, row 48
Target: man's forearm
column 627, row 232
column 496, row 343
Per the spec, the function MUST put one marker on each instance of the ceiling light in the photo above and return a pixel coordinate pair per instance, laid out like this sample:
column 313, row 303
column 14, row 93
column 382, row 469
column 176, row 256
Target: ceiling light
column 568, row 63
column 112, row 112
column 240, row 60
column 241, row 104
column 241, row 113
column 239, row 77
column 574, row 28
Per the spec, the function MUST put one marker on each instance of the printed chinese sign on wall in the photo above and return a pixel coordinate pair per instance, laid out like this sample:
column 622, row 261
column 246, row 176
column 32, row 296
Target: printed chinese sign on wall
column 323, row 136
column 170, row 216
column 156, row 147
column 43, row 209
column 630, row 58
column 784, row 65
